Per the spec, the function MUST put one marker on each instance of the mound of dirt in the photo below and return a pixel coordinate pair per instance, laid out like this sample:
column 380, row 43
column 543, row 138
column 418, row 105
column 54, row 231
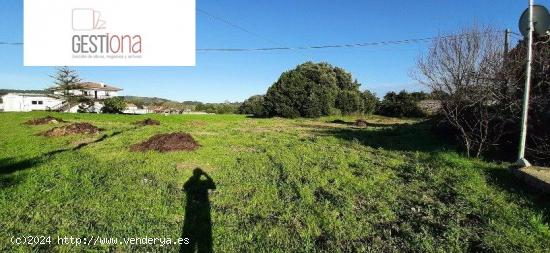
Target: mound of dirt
column 43, row 121
column 167, row 142
column 361, row 123
column 147, row 122
column 76, row 128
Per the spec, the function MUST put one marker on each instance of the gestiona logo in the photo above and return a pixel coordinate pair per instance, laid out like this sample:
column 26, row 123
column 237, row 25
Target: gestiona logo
column 92, row 39
column 109, row 33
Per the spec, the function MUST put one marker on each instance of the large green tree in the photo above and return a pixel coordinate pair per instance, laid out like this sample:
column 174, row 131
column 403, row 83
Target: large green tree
column 370, row 102
column 349, row 101
column 64, row 80
column 312, row 90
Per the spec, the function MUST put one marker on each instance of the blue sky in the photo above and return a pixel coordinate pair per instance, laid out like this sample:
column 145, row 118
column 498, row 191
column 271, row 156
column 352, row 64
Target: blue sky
column 234, row 76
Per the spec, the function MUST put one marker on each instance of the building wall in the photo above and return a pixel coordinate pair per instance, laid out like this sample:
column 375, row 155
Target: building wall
column 91, row 93
column 19, row 103
column 135, row 110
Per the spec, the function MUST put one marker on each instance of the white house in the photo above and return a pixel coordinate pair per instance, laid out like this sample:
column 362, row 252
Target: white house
column 92, row 90
column 26, row 102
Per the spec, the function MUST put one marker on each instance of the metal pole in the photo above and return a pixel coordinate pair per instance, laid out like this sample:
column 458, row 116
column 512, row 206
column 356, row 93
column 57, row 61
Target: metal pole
column 521, row 157
column 506, row 42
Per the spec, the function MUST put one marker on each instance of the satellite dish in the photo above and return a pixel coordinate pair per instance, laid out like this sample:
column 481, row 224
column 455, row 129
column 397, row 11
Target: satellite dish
column 541, row 19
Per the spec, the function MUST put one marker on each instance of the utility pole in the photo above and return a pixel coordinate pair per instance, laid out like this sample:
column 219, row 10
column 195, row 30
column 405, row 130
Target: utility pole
column 521, row 156
column 506, row 41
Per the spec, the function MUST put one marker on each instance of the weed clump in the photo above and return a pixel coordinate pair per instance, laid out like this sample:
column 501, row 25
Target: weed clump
column 167, row 142
column 72, row 129
column 43, row 121
column 147, row 122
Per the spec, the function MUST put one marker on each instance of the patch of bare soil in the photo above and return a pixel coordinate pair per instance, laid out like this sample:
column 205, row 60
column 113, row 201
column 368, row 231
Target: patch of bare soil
column 147, row 122
column 361, row 123
column 43, row 121
column 75, row 128
column 167, row 142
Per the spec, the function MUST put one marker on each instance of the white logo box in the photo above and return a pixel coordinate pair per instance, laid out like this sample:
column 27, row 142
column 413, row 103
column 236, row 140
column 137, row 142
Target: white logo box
column 61, row 33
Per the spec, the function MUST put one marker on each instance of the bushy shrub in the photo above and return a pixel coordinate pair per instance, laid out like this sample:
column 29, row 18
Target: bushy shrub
column 221, row 108
column 370, row 102
column 254, row 106
column 113, row 105
column 349, row 101
column 402, row 104
column 313, row 90
column 308, row 91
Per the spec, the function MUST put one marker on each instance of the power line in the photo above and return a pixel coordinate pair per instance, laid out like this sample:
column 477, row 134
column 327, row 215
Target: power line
column 352, row 45
column 227, row 22
column 11, row 43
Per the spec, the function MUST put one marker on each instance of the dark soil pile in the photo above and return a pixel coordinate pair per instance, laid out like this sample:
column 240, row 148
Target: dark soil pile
column 361, row 123
column 147, row 122
column 43, row 121
column 76, row 128
column 167, row 142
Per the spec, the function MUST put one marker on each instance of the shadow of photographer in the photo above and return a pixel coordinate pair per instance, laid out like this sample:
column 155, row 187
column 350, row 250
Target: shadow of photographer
column 197, row 224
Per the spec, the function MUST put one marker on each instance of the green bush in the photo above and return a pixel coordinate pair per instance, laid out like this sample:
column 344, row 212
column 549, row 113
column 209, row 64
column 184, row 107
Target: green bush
column 349, row 101
column 313, row 90
column 221, row 108
column 254, row 106
column 370, row 102
column 402, row 104
column 113, row 105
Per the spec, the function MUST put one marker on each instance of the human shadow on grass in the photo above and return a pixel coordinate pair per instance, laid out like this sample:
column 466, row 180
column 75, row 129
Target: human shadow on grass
column 398, row 137
column 197, row 224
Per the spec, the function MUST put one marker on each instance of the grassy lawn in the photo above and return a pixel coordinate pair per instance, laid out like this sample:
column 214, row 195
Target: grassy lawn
column 281, row 185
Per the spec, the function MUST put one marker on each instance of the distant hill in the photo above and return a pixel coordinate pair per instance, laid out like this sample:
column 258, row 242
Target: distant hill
column 6, row 91
column 146, row 100
column 156, row 101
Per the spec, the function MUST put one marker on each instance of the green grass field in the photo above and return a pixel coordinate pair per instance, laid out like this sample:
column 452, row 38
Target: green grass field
column 281, row 186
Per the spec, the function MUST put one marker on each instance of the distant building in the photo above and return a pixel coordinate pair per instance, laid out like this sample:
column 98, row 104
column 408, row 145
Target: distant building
column 25, row 102
column 92, row 90
column 430, row 106
column 133, row 109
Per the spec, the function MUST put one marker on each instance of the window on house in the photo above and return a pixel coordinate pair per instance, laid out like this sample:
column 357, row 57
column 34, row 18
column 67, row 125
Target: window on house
column 34, row 102
column 107, row 93
column 40, row 102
